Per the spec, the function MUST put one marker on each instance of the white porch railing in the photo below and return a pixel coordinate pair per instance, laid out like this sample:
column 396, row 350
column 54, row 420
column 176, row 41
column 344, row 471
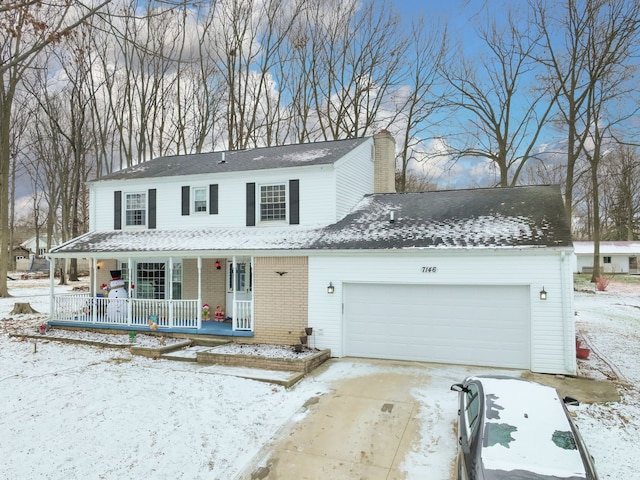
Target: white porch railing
column 242, row 318
column 84, row 308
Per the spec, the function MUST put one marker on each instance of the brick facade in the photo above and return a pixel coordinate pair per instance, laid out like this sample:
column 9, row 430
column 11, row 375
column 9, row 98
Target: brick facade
column 280, row 301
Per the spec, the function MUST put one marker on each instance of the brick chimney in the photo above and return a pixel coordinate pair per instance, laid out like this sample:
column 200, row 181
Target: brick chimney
column 384, row 161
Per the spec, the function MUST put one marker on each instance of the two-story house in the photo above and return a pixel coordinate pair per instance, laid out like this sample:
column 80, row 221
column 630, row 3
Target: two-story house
column 314, row 235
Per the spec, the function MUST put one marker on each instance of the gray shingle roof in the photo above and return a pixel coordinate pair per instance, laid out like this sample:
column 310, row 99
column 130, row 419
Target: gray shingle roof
column 528, row 216
column 319, row 153
column 523, row 217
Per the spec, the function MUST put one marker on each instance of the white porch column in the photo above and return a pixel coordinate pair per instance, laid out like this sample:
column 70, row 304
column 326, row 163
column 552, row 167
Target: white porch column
column 170, row 293
column 52, row 279
column 251, row 269
column 234, row 282
column 94, row 289
column 130, row 302
column 199, row 292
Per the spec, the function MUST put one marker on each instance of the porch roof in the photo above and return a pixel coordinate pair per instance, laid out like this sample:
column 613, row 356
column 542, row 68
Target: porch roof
column 515, row 217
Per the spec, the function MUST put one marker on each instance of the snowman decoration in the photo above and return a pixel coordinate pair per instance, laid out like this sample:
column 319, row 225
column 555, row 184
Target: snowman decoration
column 117, row 303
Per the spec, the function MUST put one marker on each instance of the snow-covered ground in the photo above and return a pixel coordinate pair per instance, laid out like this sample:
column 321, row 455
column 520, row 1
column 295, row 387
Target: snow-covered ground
column 74, row 411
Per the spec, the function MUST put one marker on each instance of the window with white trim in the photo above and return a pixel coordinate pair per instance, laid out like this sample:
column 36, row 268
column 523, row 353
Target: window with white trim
column 273, row 202
column 606, row 259
column 200, row 200
column 135, row 209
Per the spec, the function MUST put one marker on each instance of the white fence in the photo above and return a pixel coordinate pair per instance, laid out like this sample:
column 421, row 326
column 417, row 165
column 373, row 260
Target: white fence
column 84, row 308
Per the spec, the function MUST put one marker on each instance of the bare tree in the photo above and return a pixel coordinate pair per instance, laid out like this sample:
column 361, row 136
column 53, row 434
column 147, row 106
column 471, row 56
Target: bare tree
column 417, row 102
column 583, row 40
column 501, row 108
column 350, row 54
column 621, row 194
column 27, row 29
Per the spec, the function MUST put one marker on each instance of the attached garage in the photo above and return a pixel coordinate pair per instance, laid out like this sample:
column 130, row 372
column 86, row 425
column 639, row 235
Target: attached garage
column 469, row 324
column 467, row 277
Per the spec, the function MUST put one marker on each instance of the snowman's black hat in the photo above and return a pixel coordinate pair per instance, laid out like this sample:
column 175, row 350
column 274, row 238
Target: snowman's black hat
column 116, row 274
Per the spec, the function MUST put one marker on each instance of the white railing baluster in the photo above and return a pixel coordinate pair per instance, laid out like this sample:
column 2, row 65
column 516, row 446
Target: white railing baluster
column 84, row 308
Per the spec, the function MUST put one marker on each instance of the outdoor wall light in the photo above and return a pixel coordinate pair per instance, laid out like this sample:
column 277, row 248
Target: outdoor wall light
column 543, row 294
column 330, row 288
column 98, row 265
column 218, row 266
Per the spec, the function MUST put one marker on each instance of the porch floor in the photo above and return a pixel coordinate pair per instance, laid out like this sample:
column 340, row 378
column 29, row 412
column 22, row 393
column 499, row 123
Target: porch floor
column 211, row 327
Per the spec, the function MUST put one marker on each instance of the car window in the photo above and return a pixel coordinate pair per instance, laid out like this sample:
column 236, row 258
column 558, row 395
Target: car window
column 472, row 409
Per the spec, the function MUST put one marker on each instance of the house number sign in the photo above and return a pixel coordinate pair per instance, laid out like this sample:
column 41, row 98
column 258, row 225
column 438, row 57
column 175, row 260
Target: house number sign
column 429, row 269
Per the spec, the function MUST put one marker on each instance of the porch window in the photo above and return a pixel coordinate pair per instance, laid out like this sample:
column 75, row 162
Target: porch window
column 606, row 259
column 135, row 209
column 200, row 200
column 150, row 278
column 273, row 202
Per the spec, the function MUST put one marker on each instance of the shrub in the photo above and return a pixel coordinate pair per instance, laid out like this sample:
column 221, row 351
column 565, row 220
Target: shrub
column 602, row 284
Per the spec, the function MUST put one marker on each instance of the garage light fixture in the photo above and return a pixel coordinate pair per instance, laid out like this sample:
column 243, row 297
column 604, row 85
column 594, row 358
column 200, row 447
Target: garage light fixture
column 330, row 288
column 543, row 294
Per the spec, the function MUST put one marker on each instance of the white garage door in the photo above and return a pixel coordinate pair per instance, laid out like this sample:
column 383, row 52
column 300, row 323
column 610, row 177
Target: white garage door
column 469, row 325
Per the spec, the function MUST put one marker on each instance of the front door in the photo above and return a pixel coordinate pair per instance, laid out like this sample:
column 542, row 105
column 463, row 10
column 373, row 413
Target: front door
column 239, row 281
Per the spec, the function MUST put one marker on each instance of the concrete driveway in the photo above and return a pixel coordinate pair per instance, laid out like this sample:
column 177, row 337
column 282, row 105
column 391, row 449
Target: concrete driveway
column 364, row 428
column 385, row 420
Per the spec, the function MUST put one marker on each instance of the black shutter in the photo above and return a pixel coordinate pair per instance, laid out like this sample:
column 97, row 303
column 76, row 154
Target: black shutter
column 213, row 199
column 117, row 210
column 251, row 204
column 151, row 223
column 294, row 202
column 185, row 200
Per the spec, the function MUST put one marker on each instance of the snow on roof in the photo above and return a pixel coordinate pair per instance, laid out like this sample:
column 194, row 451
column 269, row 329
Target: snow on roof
column 481, row 218
column 608, row 248
column 283, row 156
column 531, row 216
column 540, row 434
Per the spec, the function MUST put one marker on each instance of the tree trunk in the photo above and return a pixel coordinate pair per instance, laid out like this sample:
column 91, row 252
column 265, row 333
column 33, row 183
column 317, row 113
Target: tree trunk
column 20, row 308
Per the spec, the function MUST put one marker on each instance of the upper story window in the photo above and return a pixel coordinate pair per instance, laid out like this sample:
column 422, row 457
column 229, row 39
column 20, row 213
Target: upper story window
column 135, row 209
column 273, row 202
column 200, row 200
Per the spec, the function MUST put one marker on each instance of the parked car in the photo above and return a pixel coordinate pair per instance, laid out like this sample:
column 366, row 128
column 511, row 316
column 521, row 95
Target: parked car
column 514, row 429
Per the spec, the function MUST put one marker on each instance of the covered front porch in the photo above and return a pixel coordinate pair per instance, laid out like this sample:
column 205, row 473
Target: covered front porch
column 165, row 294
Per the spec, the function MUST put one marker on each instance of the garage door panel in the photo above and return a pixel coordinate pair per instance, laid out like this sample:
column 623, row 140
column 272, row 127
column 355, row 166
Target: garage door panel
column 481, row 325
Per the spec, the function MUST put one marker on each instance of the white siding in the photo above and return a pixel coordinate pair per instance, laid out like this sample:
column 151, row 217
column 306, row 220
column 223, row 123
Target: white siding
column 619, row 263
column 354, row 178
column 317, row 194
column 552, row 322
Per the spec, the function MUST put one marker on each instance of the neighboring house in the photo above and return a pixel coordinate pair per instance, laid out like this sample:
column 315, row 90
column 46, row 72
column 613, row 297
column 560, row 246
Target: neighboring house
column 615, row 257
column 312, row 235
column 19, row 253
column 38, row 246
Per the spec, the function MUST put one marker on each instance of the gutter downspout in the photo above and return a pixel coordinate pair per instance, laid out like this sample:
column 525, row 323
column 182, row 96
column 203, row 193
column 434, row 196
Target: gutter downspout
column 570, row 333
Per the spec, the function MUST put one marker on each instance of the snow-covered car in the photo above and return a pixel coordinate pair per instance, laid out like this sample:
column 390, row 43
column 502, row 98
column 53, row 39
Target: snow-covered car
column 514, row 429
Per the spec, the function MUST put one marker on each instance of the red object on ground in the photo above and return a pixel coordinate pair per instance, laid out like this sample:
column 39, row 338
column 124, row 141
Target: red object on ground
column 582, row 353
